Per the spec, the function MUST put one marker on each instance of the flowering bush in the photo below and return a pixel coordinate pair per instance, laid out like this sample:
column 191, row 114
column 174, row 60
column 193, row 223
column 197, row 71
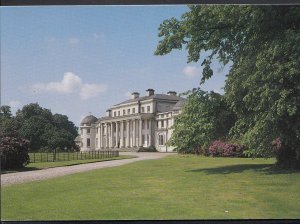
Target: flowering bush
column 14, row 152
column 225, row 149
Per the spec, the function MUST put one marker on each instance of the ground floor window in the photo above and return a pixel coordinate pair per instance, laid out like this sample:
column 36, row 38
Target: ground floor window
column 161, row 140
column 88, row 142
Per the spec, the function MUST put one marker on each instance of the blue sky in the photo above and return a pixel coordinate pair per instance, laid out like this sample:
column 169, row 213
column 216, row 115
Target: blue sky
column 79, row 59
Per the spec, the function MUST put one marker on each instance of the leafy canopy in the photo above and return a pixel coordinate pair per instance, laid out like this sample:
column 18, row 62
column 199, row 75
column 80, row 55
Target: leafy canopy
column 263, row 84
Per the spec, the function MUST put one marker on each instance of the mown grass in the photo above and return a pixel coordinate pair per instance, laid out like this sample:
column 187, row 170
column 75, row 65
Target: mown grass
column 45, row 165
column 176, row 187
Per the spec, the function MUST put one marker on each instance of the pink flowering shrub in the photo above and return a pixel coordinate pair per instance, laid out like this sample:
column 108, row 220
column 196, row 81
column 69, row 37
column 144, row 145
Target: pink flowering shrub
column 225, row 149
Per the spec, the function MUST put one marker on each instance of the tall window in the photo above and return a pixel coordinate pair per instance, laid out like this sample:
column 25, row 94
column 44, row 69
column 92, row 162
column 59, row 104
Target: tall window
column 143, row 139
column 162, row 124
column 148, row 139
column 167, row 123
column 148, row 109
column 161, row 140
column 133, row 110
column 97, row 142
column 123, row 112
column 88, row 131
column 143, row 109
column 115, row 113
column 148, row 124
column 118, row 113
column 143, row 124
column 128, row 111
column 88, row 142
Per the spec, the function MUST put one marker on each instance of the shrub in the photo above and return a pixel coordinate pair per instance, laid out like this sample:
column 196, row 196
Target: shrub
column 14, row 152
column 147, row 149
column 225, row 149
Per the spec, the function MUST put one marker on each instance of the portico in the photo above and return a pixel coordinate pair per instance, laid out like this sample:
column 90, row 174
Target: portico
column 124, row 132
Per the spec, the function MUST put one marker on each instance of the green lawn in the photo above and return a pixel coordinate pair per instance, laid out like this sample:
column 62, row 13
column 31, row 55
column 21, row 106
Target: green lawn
column 176, row 187
column 45, row 165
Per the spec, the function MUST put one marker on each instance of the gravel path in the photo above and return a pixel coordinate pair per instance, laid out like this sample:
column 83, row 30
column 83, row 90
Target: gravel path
column 28, row 176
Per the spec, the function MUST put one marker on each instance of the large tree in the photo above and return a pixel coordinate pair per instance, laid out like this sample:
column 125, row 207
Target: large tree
column 205, row 117
column 263, row 84
column 45, row 130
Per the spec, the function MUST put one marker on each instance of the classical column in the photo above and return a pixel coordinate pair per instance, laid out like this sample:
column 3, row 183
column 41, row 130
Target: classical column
column 133, row 134
column 101, row 134
column 122, row 134
column 140, row 132
column 107, row 135
column 127, row 134
column 150, row 132
column 111, row 135
column 117, row 134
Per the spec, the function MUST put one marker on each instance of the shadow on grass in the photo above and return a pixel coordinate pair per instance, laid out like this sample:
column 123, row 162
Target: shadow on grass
column 269, row 169
column 19, row 170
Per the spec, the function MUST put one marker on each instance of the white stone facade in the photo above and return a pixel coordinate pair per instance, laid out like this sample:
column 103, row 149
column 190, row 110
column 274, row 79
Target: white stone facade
column 140, row 122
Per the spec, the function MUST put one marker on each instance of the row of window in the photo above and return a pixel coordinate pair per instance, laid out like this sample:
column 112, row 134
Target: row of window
column 131, row 110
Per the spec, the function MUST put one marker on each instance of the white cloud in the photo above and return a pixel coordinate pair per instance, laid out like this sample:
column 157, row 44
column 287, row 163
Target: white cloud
column 73, row 40
column 191, row 71
column 71, row 83
column 14, row 104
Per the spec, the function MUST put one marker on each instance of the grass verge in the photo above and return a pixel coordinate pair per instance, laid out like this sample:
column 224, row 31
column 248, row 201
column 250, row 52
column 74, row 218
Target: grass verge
column 175, row 187
column 45, row 165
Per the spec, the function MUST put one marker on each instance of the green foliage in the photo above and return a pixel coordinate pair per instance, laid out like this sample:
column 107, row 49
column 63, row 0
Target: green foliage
column 14, row 152
column 45, row 131
column 5, row 111
column 205, row 117
column 263, row 85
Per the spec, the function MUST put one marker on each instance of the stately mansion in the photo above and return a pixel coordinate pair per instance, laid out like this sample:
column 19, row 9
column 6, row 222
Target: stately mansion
column 142, row 121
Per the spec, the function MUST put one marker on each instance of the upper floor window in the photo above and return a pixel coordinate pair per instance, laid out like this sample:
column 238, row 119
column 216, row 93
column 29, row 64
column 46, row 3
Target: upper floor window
column 128, row 111
column 88, row 131
column 143, row 124
column 162, row 116
column 124, row 112
column 133, row 110
column 167, row 123
column 148, row 109
column 115, row 113
column 118, row 113
column 143, row 109
column 162, row 123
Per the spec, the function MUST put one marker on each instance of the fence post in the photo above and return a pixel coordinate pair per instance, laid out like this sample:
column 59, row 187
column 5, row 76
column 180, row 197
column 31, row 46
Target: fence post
column 41, row 156
column 47, row 157
column 34, row 157
column 68, row 156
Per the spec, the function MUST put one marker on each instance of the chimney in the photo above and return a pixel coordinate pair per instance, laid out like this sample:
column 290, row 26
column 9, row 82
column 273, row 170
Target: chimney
column 135, row 95
column 150, row 92
column 172, row 93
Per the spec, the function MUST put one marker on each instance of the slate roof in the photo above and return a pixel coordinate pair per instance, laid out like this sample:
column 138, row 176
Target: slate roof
column 154, row 96
column 179, row 104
